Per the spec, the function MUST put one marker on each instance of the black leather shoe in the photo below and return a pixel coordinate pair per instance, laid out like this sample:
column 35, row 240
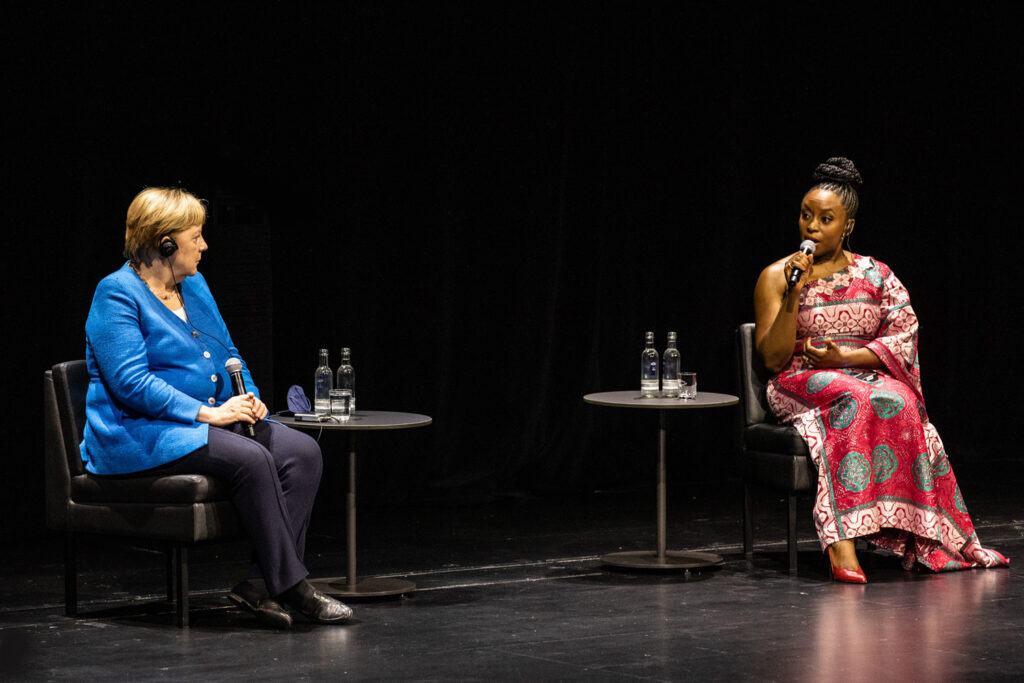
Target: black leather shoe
column 316, row 606
column 252, row 595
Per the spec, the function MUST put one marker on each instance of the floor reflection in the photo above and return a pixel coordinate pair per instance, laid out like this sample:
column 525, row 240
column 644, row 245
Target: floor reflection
column 914, row 627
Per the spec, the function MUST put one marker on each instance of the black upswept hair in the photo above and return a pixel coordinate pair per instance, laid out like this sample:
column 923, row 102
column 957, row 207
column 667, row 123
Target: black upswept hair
column 839, row 175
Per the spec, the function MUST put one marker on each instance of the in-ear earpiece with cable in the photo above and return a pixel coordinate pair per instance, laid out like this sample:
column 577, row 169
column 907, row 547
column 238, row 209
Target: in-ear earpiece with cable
column 167, row 246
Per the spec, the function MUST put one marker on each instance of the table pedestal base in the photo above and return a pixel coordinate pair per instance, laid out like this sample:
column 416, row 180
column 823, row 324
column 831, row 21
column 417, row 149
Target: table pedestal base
column 672, row 559
column 365, row 588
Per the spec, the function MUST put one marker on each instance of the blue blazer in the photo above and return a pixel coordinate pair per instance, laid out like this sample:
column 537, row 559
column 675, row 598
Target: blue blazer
column 150, row 372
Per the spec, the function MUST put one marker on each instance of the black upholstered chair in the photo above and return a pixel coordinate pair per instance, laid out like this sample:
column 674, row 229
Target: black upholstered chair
column 774, row 455
column 176, row 511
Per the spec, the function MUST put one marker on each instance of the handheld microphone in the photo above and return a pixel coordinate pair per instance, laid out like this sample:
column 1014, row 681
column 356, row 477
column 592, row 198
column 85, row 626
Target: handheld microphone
column 807, row 247
column 234, row 368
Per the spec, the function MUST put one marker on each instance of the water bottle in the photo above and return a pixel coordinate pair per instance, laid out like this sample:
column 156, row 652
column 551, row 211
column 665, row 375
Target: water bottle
column 323, row 382
column 347, row 376
column 670, row 369
column 649, row 368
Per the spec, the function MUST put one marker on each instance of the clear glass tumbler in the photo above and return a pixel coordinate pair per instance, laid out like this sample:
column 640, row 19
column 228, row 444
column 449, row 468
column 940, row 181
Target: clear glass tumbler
column 341, row 404
column 687, row 385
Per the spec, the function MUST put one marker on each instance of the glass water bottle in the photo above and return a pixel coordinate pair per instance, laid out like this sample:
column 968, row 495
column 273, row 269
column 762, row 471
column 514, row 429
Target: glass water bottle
column 347, row 375
column 649, row 368
column 323, row 382
column 670, row 369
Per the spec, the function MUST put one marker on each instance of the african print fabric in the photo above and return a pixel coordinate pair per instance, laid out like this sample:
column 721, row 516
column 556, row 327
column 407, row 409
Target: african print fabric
column 883, row 473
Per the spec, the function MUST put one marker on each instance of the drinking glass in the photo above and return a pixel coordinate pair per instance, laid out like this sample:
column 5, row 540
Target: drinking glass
column 341, row 404
column 687, row 385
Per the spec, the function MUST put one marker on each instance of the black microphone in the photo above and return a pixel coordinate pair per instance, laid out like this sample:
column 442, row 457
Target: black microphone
column 234, row 368
column 807, row 247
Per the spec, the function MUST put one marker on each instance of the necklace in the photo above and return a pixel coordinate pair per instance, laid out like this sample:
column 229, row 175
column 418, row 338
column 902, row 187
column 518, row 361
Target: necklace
column 162, row 297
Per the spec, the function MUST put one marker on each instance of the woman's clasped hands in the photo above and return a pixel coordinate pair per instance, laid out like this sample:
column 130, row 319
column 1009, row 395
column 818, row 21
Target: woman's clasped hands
column 242, row 408
column 828, row 356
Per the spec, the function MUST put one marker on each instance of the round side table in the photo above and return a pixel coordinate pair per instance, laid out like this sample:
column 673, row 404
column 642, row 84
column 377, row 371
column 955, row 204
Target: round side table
column 350, row 586
column 661, row 558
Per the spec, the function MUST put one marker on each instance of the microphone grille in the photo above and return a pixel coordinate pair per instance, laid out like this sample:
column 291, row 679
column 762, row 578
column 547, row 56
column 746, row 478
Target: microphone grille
column 807, row 246
column 233, row 365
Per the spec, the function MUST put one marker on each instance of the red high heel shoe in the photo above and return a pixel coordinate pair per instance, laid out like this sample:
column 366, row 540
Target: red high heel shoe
column 845, row 575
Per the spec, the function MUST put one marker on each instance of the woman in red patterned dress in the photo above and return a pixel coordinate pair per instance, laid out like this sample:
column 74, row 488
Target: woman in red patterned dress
column 843, row 342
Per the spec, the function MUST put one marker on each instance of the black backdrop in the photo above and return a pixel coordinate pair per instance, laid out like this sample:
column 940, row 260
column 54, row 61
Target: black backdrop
column 491, row 202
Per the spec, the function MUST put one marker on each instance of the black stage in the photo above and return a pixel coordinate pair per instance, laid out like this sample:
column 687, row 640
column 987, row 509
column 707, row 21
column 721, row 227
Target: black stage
column 510, row 588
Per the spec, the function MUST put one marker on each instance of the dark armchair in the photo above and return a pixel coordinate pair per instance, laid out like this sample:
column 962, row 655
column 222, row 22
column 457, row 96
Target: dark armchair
column 178, row 511
column 774, row 455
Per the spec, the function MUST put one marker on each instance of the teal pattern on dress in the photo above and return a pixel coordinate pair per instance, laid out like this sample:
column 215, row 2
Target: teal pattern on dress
column 843, row 412
column 855, row 472
column 883, row 463
column 941, row 467
column 923, row 473
column 886, row 404
column 819, row 380
column 873, row 275
column 958, row 500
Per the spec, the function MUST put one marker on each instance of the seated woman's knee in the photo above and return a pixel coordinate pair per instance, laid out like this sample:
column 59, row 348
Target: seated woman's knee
column 309, row 457
column 250, row 460
column 298, row 452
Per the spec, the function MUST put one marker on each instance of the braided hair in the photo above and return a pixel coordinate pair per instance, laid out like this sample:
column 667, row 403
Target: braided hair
column 839, row 175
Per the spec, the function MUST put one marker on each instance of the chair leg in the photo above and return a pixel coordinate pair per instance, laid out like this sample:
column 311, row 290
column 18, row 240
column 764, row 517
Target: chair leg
column 180, row 553
column 172, row 573
column 748, row 524
column 791, row 533
column 70, row 574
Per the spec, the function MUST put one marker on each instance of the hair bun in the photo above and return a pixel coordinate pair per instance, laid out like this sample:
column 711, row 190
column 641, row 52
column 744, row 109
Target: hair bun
column 838, row 170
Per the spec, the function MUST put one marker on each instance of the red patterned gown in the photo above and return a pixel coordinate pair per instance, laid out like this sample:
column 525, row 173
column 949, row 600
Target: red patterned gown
column 882, row 471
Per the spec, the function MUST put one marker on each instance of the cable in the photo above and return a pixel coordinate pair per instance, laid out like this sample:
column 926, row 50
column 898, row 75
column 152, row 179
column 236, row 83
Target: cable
column 181, row 297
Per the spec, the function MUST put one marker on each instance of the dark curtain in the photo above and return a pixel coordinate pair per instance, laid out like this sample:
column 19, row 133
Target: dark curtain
column 490, row 204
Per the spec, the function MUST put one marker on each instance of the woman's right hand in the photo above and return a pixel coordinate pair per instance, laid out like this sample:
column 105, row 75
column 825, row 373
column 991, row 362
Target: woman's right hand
column 803, row 262
column 776, row 305
column 236, row 409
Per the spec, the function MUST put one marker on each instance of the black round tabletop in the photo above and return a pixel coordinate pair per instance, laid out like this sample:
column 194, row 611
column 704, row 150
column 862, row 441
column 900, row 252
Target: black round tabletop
column 363, row 420
column 633, row 399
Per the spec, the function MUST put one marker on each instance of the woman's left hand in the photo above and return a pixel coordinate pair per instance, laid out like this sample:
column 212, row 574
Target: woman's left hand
column 831, row 356
column 259, row 409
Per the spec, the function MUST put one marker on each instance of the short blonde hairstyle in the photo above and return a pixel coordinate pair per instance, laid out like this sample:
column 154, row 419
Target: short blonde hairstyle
column 155, row 213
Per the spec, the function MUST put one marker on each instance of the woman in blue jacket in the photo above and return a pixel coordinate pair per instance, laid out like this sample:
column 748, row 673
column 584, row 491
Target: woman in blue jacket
column 160, row 401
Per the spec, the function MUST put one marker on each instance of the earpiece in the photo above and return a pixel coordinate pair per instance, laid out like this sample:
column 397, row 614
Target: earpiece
column 167, row 246
column 849, row 228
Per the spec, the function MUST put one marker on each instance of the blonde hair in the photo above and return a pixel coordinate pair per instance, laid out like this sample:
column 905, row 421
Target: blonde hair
column 155, row 213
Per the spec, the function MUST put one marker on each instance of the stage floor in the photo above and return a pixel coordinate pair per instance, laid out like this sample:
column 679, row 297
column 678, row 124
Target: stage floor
column 510, row 587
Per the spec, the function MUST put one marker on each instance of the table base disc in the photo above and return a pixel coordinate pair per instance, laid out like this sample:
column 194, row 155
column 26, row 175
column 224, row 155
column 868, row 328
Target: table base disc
column 365, row 588
column 673, row 559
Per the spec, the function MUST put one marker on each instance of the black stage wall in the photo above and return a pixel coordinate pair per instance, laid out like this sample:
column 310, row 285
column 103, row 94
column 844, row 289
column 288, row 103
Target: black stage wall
column 491, row 202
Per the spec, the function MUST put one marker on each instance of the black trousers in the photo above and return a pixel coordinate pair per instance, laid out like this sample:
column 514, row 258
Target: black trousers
column 273, row 480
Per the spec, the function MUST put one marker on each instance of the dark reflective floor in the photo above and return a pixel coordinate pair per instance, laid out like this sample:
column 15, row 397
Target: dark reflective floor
column 511, row 588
